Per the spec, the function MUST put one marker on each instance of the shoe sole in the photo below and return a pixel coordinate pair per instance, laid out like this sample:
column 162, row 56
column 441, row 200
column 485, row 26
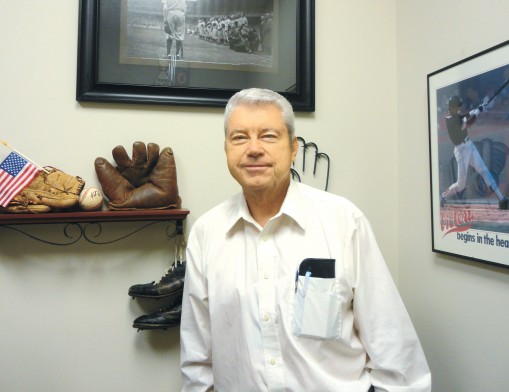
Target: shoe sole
column 175, row 294
column 154, row 326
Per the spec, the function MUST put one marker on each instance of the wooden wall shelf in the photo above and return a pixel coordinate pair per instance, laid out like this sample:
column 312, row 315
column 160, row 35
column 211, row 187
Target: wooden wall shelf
column 84, row 220
column 94, row 216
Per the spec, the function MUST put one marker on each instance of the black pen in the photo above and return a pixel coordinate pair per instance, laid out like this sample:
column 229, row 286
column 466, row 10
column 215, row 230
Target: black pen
column 296, row 279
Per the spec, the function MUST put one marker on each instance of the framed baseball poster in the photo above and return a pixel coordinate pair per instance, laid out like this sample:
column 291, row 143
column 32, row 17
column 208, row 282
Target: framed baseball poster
column 468, row 110
column 195, row 52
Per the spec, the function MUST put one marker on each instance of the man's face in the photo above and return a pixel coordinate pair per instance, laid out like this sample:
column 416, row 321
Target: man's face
column 258, row 149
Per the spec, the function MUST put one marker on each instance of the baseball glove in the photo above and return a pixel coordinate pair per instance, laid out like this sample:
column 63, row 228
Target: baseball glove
column 50, row 190
column 146, row 181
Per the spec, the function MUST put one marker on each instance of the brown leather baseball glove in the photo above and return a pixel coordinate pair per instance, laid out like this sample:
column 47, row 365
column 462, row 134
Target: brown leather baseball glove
column 146, row 181
column 50, row 190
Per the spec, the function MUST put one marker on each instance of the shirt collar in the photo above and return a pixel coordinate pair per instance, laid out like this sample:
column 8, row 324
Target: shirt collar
column 292, row 207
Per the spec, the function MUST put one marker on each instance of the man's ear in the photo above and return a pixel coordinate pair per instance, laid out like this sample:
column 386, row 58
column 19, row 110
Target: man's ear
column 295, row 147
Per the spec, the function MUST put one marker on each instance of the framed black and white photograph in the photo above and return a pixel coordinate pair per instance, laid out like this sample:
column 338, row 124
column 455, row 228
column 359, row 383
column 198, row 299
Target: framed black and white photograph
column 468, row 108
column 195, row 52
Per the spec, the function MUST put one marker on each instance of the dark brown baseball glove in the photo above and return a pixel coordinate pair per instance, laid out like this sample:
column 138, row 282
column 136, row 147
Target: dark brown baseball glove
column 146, row 181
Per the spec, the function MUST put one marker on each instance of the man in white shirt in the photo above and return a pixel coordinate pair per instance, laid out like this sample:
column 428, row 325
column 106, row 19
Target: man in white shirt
column 286, row 288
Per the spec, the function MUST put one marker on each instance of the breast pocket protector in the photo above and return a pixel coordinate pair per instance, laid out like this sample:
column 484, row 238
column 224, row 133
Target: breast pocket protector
column 317, row 307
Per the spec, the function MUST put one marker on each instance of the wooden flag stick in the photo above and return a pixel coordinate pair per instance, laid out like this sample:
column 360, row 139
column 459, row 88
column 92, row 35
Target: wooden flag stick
column 24, row 156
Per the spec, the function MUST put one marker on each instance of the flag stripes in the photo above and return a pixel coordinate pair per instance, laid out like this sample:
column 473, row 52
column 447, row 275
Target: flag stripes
column 15, row 174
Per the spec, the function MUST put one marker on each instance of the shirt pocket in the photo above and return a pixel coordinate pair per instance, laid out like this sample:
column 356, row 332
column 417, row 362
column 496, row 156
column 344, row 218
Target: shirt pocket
column 317, row 306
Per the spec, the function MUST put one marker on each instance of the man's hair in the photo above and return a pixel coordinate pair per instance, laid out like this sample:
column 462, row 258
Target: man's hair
column 260, row 96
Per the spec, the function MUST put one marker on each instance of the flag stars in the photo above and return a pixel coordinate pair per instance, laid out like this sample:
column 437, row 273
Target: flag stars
column 13, row 164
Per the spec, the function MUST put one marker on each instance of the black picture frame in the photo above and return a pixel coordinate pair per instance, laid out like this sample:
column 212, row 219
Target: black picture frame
column 100, row 19
column 467, row 220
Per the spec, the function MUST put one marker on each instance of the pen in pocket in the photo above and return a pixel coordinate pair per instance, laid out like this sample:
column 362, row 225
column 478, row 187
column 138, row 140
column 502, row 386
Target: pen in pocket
column 306, row 282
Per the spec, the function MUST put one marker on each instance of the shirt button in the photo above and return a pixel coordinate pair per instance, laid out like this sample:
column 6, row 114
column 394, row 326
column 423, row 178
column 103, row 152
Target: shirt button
column 266, row 276
column 266, row 317
column 273, row 361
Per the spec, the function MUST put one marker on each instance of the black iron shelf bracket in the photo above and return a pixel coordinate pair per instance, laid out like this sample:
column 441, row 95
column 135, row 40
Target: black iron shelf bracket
column 88, row 225
column 92, row 231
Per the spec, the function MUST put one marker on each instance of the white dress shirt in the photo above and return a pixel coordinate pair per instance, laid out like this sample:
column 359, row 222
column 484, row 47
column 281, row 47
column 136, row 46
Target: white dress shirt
column 249, row 325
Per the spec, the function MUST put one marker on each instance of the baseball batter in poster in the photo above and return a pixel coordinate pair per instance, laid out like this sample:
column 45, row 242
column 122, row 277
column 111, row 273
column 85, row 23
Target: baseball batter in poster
column 465, row 152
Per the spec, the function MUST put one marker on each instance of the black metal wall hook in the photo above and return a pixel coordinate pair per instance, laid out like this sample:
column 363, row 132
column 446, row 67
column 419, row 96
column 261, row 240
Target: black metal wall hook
column 317, row 155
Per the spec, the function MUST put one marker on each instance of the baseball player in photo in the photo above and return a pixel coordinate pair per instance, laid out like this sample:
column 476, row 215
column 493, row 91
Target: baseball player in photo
column 174, row 13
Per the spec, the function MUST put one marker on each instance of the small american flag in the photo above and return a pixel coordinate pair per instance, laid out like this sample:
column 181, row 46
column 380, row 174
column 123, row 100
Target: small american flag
column 15, row 174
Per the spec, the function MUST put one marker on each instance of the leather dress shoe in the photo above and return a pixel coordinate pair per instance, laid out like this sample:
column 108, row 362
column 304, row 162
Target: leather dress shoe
column 171, row 285
column 162, row 319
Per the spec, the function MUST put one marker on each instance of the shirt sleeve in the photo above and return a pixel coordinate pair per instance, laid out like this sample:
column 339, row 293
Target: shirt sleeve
column 195, row 334
column 396, row 359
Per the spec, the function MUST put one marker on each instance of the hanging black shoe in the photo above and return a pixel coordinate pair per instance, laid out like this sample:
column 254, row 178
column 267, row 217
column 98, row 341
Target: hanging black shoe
column 171, row 285
column 162, row 319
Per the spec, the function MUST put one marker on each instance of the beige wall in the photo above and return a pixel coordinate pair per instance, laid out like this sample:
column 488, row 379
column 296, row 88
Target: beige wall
column 459, row 307
column 66, row 317
column 69, row 316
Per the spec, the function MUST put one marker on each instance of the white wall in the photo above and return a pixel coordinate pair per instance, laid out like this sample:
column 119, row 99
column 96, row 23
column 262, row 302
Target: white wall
column 66, row 317
column 459, row 307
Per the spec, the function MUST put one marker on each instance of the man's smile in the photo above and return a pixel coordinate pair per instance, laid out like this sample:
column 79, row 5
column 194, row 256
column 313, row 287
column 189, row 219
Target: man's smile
column 255, row 167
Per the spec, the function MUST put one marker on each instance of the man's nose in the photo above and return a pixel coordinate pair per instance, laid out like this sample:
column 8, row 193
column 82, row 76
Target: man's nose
column 254, row 147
